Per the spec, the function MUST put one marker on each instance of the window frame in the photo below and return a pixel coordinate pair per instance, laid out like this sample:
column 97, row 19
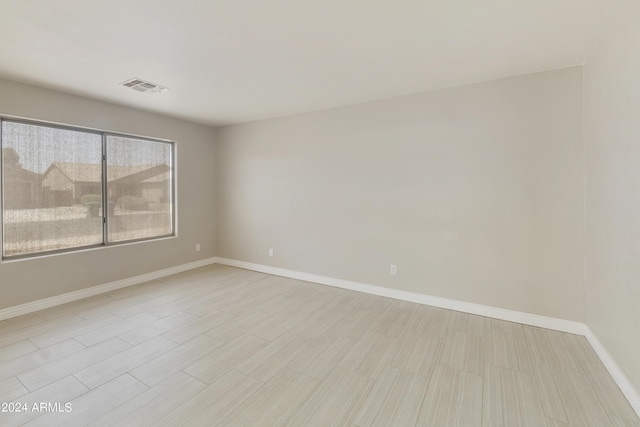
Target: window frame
column 104, row 134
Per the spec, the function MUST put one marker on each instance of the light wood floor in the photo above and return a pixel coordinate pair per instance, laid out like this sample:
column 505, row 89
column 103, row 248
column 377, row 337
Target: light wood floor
column 224, row 346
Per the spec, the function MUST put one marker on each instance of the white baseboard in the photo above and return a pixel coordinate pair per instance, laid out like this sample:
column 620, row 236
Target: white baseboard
column 618, row 376
column 30, row 307
column 467, row 307
column 482, row 310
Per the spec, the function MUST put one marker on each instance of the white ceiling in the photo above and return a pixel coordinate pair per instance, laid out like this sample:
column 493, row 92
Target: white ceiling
column 230, row 61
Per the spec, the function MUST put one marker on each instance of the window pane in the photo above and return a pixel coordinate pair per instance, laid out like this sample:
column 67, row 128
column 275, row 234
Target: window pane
column 52, row 188
column 139, row 189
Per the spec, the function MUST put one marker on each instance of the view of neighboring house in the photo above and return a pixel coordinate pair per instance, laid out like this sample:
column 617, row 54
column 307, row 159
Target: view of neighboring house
column 63, row 184
column 23, row 187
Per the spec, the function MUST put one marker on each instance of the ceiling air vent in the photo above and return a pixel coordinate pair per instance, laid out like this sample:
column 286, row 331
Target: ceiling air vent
column 144, row 86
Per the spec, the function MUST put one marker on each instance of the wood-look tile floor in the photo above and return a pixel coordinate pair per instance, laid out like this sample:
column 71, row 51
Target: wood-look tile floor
column 230, row 347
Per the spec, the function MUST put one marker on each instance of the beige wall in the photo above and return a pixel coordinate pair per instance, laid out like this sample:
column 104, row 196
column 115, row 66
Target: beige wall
column 612, row 145
column 32, row 279
column 476, row 193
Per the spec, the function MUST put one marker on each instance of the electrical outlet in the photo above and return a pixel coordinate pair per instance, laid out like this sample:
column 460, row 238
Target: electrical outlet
column 394, row 269
column 197, row 247
column 270, row 251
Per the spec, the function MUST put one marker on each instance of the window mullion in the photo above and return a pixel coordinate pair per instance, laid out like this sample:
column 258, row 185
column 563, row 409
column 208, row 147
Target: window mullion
column 105, row 200
column 2, row 189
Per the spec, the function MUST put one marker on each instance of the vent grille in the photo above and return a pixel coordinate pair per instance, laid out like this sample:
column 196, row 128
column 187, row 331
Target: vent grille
column 144, row 86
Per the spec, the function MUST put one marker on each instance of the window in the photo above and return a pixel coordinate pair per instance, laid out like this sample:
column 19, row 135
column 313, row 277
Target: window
column 66, row 188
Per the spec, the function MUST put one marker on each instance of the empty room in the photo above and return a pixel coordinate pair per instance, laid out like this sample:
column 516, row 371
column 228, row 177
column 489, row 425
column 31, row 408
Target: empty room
column 320, row 213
